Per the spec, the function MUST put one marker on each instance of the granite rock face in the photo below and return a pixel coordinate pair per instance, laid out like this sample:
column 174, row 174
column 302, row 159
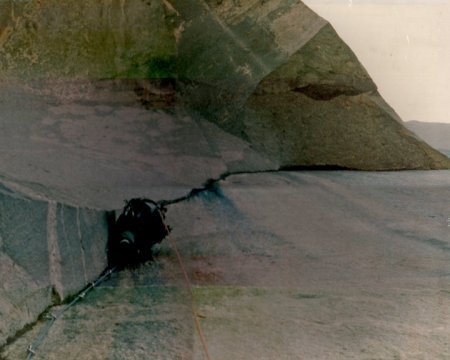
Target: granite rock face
column 100, row 146
column 271, row 73
column 288, row 265
column 322, row 108
column 78, row 39
column 48, row 251
column 103, row 101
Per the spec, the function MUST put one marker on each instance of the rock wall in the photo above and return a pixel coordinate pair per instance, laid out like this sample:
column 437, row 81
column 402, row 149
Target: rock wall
column 321, row 108
column 48, row 251
column 288, row 265
column 101, row 101
column 84, row 39
column 272, row 73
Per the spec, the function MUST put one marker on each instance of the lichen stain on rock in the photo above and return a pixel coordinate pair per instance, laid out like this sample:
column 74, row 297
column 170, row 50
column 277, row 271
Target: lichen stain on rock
column 104, row 39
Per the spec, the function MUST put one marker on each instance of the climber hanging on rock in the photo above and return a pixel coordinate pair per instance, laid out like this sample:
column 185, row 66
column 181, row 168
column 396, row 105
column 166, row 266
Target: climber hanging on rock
column 139, row 227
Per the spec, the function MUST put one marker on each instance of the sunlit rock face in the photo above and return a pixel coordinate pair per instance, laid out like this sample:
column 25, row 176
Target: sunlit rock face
column 322, row 108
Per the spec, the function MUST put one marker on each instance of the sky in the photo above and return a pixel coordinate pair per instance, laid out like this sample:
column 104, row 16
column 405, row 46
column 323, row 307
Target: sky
column 405, row 47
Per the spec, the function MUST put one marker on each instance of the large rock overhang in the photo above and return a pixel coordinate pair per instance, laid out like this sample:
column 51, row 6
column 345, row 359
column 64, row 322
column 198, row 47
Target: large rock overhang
column 278, row 76
column 272, row 73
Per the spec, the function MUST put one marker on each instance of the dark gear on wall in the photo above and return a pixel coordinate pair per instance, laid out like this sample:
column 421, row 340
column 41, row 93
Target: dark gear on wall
column 138, row 228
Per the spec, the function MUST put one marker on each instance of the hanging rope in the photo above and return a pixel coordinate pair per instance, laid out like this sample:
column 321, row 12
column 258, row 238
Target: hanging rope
column 191, row 292
column 52, row 318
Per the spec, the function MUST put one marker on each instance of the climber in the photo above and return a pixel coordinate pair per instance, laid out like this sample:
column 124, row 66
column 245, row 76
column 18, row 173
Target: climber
column 138, row 228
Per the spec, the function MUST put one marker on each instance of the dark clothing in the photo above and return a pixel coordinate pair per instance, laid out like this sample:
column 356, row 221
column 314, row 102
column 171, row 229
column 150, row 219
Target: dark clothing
column 137, row 229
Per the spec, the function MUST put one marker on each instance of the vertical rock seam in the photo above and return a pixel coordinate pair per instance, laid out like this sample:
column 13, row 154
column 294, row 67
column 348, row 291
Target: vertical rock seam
column 54, row 255
column 83, row 255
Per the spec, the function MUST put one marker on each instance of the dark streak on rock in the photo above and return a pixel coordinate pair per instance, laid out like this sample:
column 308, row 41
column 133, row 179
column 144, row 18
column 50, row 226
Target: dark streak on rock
column 315, row 168
column 155, row 93
column 327, row 92
column 27, row 327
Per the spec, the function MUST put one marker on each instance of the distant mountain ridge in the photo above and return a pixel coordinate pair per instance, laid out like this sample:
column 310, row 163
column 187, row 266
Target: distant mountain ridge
column 435, row 134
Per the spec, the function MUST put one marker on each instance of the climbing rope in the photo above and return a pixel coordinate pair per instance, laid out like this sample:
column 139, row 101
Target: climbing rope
column 52, row 318
column 191, row 292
